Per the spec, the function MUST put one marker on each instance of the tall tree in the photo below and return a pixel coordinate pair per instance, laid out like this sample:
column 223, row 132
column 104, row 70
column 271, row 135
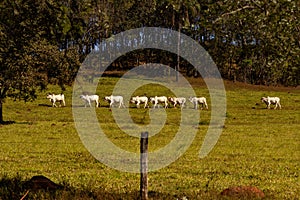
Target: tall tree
column 258, row 40
column 30, row 54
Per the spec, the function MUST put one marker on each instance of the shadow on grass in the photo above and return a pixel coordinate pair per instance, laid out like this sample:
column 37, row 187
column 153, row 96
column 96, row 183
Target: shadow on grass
column 44, row 105
column 17, row 188
column 14, row 122
column 12, row 188
column 7, row 122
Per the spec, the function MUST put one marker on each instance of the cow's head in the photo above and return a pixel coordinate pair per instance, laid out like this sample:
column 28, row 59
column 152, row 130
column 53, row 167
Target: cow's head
column 152, row 99
column 264, row 99
column 171, row 99
column 133, row 99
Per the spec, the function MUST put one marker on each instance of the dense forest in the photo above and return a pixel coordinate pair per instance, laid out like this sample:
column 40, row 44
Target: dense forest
column 45, row 41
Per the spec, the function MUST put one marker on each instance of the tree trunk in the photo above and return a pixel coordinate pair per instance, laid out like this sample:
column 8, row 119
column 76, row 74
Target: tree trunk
column 178, row 52
column 1, row 115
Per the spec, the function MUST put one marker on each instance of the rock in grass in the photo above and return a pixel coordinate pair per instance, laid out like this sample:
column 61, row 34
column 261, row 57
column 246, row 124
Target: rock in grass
column 244, row 192
column 42, row 182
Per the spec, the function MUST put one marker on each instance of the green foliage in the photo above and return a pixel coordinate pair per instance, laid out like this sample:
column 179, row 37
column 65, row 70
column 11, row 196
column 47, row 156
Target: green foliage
column 265, row 32
column 31, row 57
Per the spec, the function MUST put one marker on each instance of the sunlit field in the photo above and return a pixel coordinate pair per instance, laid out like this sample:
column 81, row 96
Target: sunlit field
column 258, row 147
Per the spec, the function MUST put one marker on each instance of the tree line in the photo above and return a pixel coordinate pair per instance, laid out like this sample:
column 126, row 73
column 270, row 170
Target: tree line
column 45, row 41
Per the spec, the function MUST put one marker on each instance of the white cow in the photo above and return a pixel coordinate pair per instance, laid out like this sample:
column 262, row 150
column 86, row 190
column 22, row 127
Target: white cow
column 54, row 98
column 199, row 100
column 271, row 100
column 162, row 99
column 89, row 98
column 115, row 99
column 177, row 100
column 138, row 100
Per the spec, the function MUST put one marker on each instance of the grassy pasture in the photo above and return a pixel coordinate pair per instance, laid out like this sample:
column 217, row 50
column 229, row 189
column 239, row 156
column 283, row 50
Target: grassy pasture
column 258, row 147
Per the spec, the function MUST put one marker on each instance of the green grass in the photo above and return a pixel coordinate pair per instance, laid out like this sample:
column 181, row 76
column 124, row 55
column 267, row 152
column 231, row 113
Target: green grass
column 257, row 147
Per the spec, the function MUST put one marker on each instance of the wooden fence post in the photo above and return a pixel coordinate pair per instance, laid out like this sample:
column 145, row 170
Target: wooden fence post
column 144, row 166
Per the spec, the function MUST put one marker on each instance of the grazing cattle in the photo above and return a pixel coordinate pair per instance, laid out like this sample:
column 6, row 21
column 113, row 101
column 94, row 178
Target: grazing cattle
column 138, row 100
column 177, row 100
column 162, row 99
column 89, row 98
column 115, row 99
column 54, row 98
column 199, row 100
column 271, row 100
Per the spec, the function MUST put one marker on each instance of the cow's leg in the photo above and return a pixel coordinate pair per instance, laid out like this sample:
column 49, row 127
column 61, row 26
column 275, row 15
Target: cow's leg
column 60, row 103
column 279, row 105
column 276, row 104
column 121, row 104
column 268, row 106
column 182, row 105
